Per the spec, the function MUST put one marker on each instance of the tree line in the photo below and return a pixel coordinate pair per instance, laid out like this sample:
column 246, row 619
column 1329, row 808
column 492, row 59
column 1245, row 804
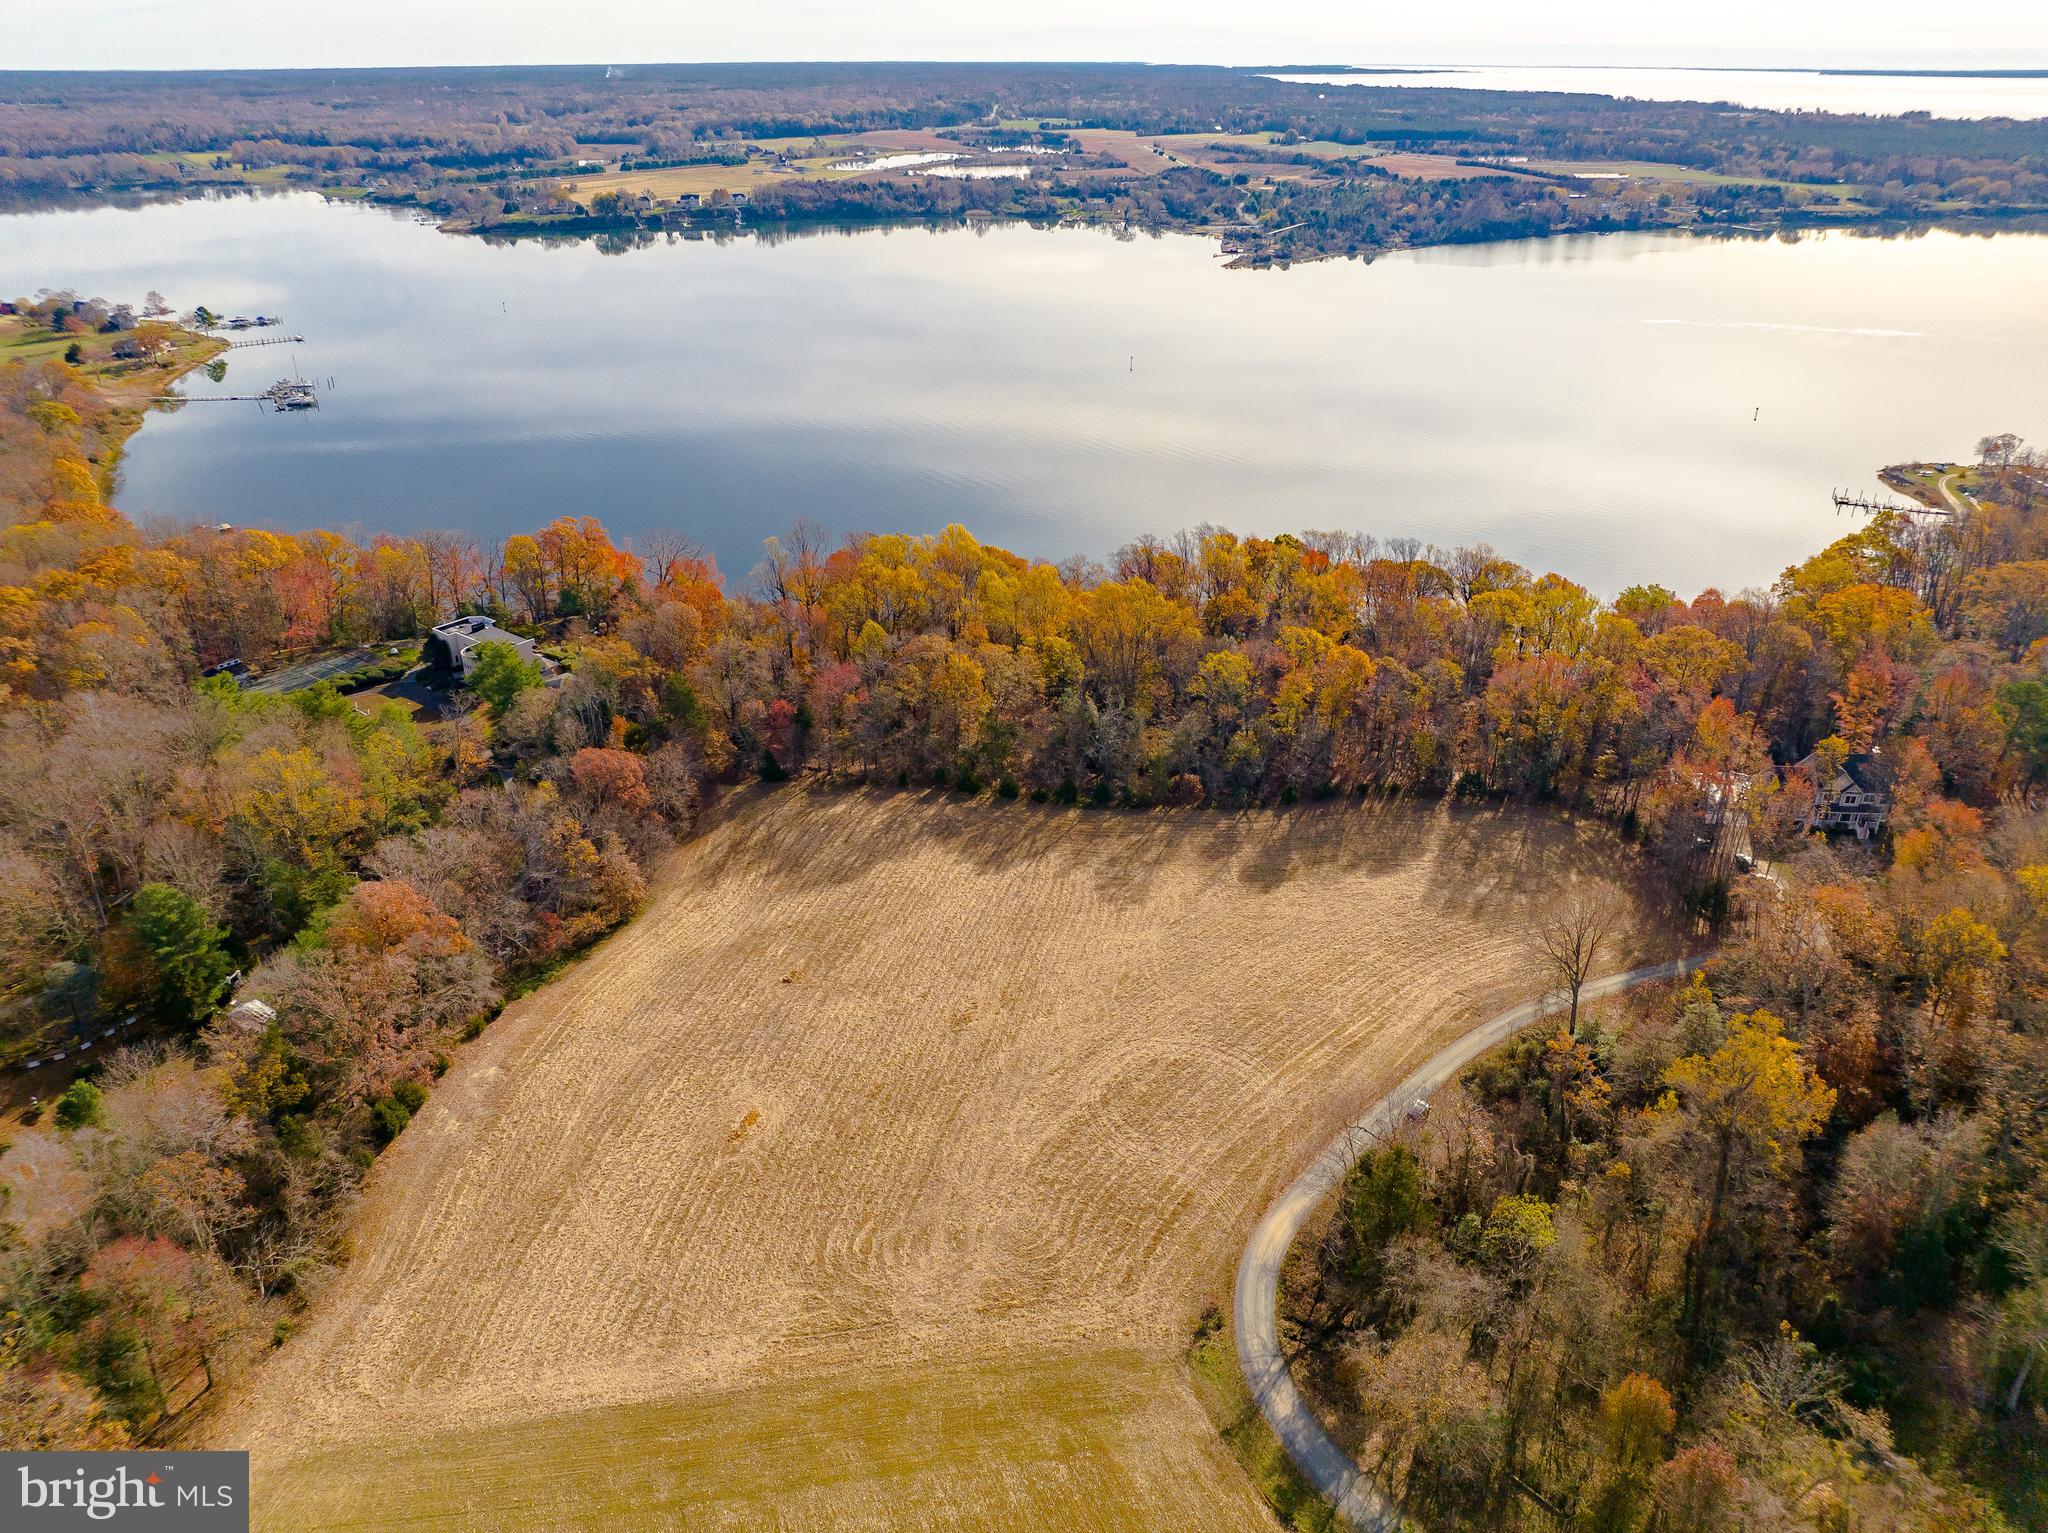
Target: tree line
column 1766, row 1251
column 381, row 884
column 431, row 136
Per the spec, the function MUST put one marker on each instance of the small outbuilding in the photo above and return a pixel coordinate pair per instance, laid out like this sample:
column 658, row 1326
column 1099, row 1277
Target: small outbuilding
column 252, row 1016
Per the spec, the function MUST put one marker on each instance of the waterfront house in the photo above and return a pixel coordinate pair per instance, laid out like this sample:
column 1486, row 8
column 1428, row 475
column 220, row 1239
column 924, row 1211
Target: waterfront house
column 688, row 200
column 739, row 197
column 452, row 646
column 1856, row 799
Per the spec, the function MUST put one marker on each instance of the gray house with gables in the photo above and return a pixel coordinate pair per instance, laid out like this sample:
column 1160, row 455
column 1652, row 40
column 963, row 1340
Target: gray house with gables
column 1855, row 801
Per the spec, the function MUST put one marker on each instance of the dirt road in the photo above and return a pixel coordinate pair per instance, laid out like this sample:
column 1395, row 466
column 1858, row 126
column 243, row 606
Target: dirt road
column 1328, row 1467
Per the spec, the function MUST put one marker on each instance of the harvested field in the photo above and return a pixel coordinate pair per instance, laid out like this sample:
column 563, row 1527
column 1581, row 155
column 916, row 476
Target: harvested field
column 877, row 1175
column 1439, row 167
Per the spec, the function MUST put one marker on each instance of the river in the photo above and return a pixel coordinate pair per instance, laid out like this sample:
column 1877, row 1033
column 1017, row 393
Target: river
column 1615, row 407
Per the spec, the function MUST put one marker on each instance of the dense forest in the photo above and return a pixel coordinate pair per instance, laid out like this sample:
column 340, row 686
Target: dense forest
column 1808, row 1186
column 477, row 145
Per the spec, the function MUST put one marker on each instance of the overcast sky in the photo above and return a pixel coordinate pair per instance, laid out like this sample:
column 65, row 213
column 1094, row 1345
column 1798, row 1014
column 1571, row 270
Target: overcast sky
column 274, row 33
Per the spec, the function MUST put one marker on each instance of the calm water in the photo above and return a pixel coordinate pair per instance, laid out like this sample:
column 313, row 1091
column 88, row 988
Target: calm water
column 1586, row 405
column 1781, row 90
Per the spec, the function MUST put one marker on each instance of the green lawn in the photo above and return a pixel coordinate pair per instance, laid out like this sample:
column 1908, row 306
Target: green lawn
column 1092, row 1443
column 1220, row 1384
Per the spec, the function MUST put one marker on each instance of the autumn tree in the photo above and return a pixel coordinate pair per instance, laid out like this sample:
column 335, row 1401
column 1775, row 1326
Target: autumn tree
column 1746, row 1108
column 1635, row 1422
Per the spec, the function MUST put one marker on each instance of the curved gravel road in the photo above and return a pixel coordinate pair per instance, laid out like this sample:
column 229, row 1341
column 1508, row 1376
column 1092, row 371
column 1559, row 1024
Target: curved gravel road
column 1328, row 1467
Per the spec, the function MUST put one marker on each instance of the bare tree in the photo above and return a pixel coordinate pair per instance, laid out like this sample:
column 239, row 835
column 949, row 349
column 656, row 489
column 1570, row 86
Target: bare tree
column 1570, row 939
column 669, row 556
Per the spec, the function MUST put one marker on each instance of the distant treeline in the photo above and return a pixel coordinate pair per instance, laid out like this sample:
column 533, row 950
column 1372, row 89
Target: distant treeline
column 66, row 131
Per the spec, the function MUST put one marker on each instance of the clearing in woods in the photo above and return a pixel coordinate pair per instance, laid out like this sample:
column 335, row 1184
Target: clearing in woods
column 877, row 1175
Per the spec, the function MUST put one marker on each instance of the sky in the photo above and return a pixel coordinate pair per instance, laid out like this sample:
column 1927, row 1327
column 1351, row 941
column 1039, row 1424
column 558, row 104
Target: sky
column 191, row 34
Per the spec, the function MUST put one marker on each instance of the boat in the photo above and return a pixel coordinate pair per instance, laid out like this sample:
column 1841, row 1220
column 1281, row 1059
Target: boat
column 292, row 394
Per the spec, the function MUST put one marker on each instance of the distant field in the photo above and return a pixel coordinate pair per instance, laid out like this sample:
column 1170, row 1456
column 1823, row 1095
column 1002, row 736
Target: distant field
column 1148, row 155
column 1437, row 167
column 1200, row 149
column 877, row 1176
column 673, row 181
column 1648, row 170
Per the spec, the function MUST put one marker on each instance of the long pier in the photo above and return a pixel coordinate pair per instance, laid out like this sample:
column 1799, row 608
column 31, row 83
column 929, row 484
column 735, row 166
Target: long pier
column 1844, row 501
column 207, row 399
column 274, row 340
column 283, row 395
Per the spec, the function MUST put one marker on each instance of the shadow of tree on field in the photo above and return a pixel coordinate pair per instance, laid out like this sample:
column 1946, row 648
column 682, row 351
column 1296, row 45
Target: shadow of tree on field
column 1474, row 856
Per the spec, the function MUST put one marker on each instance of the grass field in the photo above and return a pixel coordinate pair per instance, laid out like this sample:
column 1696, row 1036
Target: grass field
column 670, row 182
column 1648, row 170
column 878, row 1176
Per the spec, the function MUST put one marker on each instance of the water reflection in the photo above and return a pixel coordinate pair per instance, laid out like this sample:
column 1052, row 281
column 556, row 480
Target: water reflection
column 1618, row 407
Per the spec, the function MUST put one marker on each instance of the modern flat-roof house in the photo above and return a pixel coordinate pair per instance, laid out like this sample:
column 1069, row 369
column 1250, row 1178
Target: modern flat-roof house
column 1856, row 800
column 452, row 646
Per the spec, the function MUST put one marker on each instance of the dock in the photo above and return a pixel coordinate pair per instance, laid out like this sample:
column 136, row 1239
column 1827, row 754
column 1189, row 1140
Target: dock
column 1871, row 504
column 285, row 394
column 271, row 340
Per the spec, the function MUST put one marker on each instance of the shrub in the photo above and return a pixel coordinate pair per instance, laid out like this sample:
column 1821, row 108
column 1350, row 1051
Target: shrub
column 81, row 1106
column 1470, row 785
column 770, row 769
column 1289, row 795
column 966, row 781
column 1007, row 788
column 410, row 1095
column 388, row 1119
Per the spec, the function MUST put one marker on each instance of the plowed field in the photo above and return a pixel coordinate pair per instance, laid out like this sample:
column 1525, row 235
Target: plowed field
column 876, row 1176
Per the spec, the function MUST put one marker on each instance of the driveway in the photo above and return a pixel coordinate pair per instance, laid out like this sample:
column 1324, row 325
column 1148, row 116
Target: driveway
column 1328, row 1467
